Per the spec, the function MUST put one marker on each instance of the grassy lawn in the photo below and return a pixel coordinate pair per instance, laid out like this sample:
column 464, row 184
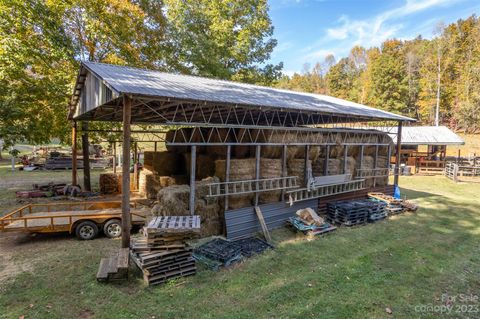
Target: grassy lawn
column 404, row 263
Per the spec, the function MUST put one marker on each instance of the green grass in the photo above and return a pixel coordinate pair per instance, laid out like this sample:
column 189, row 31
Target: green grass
column 404, row 262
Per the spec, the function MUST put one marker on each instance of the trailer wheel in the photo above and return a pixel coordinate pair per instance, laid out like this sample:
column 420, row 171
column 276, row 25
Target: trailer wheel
column 86, row 230
column 113, row 228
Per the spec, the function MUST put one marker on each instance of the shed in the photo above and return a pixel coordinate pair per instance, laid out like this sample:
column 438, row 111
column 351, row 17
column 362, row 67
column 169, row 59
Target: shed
column 429, row 160
column 287, row 141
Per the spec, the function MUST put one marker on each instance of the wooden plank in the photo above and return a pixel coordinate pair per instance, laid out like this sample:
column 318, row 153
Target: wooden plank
column 262, row 224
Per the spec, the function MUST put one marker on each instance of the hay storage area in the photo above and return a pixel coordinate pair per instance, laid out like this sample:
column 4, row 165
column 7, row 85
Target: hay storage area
column 270, row 168
column 240, row 169
column 296, row 167
column 205, row 165
column 174, row 201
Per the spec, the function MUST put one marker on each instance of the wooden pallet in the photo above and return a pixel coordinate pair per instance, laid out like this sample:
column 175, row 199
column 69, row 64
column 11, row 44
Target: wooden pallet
column 114, row 267
column 173, row 224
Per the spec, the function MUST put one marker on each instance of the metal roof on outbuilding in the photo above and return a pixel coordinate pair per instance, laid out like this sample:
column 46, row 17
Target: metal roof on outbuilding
column 424, row 135
column 140, row 82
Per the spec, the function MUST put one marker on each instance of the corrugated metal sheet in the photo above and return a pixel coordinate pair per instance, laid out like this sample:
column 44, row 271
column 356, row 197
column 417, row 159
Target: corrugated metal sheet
column 424, row 135
column 158, row 84
column 243, row 222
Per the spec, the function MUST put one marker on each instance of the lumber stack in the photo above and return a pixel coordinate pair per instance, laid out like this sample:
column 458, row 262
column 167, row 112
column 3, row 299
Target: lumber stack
column 393, row 205
column 114, row 267
column 162, row 253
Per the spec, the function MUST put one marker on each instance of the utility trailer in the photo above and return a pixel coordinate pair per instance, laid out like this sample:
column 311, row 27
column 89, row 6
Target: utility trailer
column 84, row 219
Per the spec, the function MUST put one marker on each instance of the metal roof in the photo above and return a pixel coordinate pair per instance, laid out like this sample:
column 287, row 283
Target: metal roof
column 424, row 135
column 141, row 82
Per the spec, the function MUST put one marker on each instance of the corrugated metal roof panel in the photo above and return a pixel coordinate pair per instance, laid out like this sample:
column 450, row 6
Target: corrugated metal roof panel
column 424, row 135
column 158, row 84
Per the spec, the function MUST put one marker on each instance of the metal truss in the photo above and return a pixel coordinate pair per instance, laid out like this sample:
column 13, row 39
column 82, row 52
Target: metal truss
column 176, row 112
column 273, row 136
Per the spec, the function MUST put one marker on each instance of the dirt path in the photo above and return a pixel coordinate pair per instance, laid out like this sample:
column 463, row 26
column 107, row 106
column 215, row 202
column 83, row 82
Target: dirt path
column 9, row 267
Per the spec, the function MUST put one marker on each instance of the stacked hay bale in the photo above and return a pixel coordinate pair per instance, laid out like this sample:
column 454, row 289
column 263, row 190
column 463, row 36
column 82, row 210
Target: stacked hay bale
column 350, row 167
column 296, row 167
column 240, row 169
column 174, row 201
column 204, row 166
column 168, row 163
column 179, row 136
column 318, row 167
column 270, row 168
column 368, row 163
column 109, row 184
column 382, row 162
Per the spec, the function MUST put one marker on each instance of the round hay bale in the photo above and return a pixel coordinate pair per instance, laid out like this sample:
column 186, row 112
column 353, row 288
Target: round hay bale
column 173, row 201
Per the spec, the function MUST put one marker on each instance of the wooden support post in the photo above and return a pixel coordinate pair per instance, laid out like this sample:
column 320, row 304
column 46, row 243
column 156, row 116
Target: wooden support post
column 389, row 156
column 397, row 155
column 257, row 171
column 155, row 147
column 227, row 173
column 306, row 172
column 135, row 165
column 74, row 154
column 114, row 157
column 193, row 160
column 284, row 169
column 327, row 159
column 86, row 158
column 345, row 156
column 126, row 218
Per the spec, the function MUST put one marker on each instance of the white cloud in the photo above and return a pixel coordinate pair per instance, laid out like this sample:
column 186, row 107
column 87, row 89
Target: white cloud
column 373, row 31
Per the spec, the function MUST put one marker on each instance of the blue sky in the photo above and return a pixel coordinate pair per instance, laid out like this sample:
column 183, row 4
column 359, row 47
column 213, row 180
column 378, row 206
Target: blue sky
column 307, row 30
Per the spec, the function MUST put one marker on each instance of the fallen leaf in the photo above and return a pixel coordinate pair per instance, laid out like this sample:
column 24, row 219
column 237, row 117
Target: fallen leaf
column 21, row 317
column 388, row 310
column 49, row 306
column 30, row 305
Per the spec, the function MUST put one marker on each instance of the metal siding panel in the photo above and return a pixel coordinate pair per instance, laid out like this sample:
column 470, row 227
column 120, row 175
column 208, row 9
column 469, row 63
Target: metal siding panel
column 243, row 222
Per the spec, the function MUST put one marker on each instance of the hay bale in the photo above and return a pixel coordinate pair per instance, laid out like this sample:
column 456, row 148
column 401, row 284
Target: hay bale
column 296, row 167
column 168, row 163
column 270, row 168
column 109, row 184
column 205, row 165
column 350, row 167
column 148, row 160
column 240, row 169
column 318, row 166
column 368, row 163
column 173, row 201
column 217, row 136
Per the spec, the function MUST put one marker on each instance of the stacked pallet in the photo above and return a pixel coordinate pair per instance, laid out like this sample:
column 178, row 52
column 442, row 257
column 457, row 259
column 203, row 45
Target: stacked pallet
column 163, row 252
column 355, row 212
column 393, row 205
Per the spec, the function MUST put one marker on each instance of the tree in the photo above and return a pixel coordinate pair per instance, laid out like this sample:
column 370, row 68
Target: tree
column 226, row 39
column 41, row 43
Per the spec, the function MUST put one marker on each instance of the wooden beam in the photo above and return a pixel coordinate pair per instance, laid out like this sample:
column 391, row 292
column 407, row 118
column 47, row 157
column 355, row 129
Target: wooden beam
column 135, row 165
column 86, row 158
column 126, row 218
column 193, row 160
column 397, row 155
column 74, row 154
column 261, row 220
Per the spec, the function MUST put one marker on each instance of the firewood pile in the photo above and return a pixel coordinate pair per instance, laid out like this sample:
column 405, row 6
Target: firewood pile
column 308, row 222
column 163, row 252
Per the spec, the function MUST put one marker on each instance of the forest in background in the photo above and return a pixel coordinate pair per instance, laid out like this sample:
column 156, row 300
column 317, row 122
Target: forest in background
column 407, row 76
